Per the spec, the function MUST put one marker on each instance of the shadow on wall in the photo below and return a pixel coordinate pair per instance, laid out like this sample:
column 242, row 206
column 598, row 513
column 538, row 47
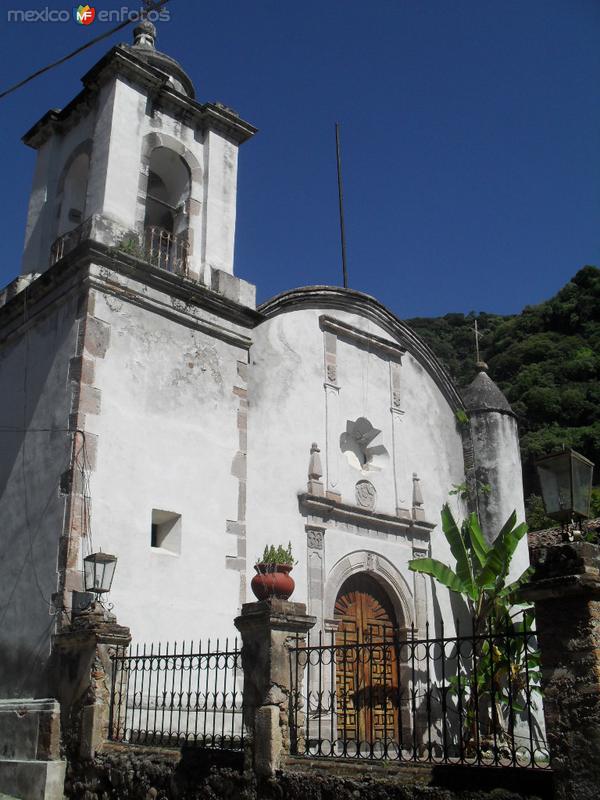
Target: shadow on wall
column 31, row 504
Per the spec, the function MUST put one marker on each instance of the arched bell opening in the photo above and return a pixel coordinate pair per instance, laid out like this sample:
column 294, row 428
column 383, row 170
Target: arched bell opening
column 167, row 210
column 71, row 201
column 73, row 196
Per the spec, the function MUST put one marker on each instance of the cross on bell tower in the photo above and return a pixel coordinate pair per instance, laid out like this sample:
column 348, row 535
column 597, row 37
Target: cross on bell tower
column 478, row 362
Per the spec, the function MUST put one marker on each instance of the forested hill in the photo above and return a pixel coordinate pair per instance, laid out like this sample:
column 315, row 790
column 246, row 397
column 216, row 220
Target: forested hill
column 546, row 360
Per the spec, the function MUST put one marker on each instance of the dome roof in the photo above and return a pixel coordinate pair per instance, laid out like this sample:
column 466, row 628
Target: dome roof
column 482, row 394
column 143, row 47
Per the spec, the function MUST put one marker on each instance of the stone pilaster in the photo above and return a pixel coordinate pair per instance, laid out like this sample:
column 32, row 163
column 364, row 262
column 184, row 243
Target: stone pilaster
column 566, row 591
column 92, row 344
column 269, row 630
column 237, row 559
column 82, row 677
column 332, row 421
column 397, row 413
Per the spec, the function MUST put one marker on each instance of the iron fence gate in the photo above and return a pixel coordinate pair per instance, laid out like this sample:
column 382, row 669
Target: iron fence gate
column 462, row 699
column 175, row 696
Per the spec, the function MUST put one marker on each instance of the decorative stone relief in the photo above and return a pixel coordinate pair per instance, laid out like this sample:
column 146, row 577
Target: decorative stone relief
column 372, row 562
column 314, row 538
column 359, row 444
column 331, row 373
column 366, row 494
column 395, row 386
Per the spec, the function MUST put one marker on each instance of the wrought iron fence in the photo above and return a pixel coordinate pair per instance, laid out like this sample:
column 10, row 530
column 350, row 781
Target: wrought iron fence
column 170, row 697
column 461, row 699
column 166, row 250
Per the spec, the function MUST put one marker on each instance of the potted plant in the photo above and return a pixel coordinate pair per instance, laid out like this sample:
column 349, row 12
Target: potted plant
column 273, row 577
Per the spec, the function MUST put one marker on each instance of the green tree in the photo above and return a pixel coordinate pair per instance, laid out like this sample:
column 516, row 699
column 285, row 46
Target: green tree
column 544, row 359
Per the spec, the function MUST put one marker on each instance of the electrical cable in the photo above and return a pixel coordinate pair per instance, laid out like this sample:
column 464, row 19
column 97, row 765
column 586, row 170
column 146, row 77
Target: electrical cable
column 149, row 7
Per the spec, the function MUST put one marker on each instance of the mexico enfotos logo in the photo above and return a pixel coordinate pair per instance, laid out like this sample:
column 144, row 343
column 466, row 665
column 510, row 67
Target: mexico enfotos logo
column 86, row 14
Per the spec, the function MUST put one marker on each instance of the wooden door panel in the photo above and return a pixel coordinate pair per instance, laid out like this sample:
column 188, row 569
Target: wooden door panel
column 366, row 674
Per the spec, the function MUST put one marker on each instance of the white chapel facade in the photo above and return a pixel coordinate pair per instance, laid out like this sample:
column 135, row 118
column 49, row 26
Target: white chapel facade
column 153, row 411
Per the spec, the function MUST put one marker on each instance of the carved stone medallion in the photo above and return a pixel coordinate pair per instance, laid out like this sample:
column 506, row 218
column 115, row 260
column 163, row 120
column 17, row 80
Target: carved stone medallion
column 366, row 495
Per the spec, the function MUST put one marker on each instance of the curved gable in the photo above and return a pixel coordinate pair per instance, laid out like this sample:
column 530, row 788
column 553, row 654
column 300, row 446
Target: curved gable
column 335, row 297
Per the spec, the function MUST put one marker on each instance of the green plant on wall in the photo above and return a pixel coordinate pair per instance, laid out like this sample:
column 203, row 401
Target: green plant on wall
column 461, row 416
column 464, row 491
column 130, row 245
column 503, row 668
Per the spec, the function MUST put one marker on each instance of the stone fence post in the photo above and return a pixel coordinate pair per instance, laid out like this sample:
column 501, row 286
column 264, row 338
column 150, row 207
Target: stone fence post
column 269, row 629
column 566, row 591
column 82, row 676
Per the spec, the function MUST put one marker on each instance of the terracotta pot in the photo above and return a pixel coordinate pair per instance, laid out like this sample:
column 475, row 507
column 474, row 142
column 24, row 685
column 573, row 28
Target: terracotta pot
column 272, row 580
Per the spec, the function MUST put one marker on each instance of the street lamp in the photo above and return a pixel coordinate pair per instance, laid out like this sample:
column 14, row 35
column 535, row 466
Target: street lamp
column 99, row 569
column 566, row 483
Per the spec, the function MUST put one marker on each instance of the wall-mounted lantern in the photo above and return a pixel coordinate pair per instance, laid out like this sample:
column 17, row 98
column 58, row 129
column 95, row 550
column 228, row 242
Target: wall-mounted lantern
column 566, row 483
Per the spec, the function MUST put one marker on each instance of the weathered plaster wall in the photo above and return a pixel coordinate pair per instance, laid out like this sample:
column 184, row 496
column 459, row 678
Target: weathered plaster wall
column 43, row 213
column 34, row 394
column 169, row 439
column 220, row 192
column 498, row 464
column 290, row 408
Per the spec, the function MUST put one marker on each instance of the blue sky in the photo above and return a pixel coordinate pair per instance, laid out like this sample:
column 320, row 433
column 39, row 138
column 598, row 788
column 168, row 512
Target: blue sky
column 470, row 138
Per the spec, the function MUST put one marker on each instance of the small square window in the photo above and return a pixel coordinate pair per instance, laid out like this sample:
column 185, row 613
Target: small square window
column 165, row 531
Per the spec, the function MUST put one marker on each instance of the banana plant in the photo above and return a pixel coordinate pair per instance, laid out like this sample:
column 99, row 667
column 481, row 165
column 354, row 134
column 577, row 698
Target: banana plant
column 480, row 576
column 481, row 571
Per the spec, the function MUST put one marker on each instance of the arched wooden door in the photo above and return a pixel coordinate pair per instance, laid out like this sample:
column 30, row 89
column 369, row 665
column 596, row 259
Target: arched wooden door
column 366, row 674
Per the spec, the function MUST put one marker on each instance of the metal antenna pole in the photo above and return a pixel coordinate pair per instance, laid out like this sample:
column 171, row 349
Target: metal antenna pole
column 476, row 329
column 341, row 201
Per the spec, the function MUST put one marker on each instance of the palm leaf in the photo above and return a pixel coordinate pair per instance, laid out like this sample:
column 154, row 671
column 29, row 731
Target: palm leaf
column 458, row 548
column 441, row 572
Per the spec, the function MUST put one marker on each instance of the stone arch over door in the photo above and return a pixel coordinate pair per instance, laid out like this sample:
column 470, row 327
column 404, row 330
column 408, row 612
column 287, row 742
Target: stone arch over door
column 383, row 571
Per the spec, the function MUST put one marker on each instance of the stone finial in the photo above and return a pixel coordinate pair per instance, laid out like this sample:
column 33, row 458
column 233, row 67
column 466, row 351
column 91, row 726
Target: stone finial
column 315, row 471
column 417, row 494
column 144, row 34
column 482, row 366
column 417, row 498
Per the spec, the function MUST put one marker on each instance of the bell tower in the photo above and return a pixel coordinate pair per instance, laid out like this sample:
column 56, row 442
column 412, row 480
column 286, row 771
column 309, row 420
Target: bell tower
column 134, row 161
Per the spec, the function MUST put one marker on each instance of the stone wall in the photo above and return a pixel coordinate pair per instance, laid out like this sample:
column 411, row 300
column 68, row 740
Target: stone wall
column 566, row 590
column 128, row 773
